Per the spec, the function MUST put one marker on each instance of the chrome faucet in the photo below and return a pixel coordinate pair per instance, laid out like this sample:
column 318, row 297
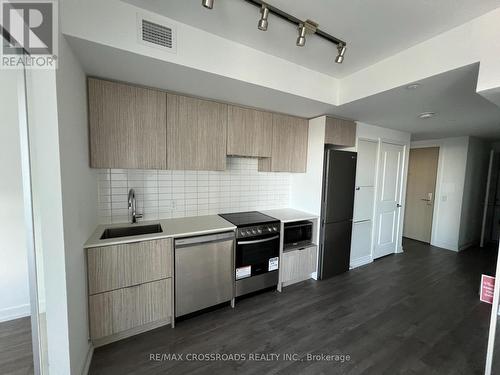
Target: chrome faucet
column 132, row 207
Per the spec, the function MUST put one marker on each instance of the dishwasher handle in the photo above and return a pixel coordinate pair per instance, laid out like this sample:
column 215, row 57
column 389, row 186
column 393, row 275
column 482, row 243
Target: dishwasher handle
column 190, row 241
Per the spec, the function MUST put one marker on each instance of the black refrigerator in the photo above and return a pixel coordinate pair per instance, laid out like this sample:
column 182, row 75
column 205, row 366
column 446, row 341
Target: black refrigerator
column 339, row 178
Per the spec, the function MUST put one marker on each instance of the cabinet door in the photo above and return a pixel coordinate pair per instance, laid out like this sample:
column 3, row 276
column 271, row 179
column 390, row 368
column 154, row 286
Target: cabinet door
column 309, row 257
column 367, row 163
column 128, row 308
column 299, row 264
column 127, row 126
column 196, row 134
column 340, row 132
column 119, row 266
column 289, row 267
column 364, row 198
column 289, row 147
column 249, row 132
column 361, row 240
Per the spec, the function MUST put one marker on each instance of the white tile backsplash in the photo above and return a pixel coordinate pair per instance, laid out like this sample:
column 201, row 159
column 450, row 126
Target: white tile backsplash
column 169, row 194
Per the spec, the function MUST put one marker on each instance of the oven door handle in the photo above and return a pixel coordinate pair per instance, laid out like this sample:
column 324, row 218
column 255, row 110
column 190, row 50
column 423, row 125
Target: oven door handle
column 257, row 241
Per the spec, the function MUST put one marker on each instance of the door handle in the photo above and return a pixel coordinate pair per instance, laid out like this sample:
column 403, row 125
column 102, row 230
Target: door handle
column 257, row 241
column 423, row 199
column 398, row 205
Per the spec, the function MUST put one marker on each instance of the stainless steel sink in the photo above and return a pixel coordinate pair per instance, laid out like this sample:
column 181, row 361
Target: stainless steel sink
column 131, row 231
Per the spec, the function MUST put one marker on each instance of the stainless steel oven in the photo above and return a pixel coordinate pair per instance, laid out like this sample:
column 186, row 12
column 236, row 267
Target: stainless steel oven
column 257, row 251
column 257, row 258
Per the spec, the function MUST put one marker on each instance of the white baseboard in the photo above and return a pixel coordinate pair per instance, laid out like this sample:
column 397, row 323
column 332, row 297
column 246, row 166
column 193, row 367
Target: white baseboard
column 15, row 312
column 361, row 261
column 88, row 360
column 445, row 245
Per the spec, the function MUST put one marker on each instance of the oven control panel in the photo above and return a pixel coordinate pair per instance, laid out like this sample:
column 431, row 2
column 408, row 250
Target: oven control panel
column 258, row 230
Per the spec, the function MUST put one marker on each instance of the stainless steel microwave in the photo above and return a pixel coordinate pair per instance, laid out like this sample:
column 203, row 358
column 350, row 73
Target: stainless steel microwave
column 297, row 234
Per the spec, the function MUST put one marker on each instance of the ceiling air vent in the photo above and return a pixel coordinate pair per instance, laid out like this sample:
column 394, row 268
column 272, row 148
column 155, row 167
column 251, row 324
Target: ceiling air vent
column 156, row 35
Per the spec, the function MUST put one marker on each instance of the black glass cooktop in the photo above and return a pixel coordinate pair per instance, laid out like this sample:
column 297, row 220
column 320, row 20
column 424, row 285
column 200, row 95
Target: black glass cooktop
column 248, row 218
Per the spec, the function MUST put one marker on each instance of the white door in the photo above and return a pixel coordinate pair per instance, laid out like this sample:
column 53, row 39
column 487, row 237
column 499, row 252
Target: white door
column 388, row 200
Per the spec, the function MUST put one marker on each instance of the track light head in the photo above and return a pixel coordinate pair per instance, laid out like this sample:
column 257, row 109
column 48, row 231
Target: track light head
column 301, row 39
column 209, row 4
column 264, row 13
column 341, row 52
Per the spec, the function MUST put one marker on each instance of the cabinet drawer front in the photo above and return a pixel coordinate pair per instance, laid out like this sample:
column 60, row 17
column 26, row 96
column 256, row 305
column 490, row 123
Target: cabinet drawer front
column 127, row 308
column 299, row 264
column 119, row 266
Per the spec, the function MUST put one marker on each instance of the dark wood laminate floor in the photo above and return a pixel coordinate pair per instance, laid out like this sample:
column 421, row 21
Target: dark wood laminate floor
column 16, row 352
column 411, row 313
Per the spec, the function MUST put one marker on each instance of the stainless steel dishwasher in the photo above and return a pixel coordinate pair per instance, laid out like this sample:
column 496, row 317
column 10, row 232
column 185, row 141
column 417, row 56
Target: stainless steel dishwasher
column 203, row 272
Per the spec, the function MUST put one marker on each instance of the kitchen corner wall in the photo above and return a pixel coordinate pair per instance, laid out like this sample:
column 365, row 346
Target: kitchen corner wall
column 168, row 194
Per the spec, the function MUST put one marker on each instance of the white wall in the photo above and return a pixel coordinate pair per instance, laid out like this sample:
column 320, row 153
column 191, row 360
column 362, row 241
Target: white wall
column 449, row 189
column 305, row 188
column 79, row 197
column 14, row 290
column 47, row 202
column 167, row 194
column 476, row 175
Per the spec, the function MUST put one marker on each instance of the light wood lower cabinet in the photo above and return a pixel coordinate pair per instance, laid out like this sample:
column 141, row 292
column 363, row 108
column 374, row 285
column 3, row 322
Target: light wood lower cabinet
column 289, row 145
column 196, row 133
column 129, row 309
column 119, row 266
column 130, row 289
column 298, row 265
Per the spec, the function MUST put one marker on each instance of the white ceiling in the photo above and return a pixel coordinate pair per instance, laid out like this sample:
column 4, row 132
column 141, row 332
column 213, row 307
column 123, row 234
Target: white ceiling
column 452, row 95
column 374, row 30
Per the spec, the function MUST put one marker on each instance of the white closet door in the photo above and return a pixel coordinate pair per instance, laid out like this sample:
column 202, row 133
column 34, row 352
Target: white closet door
column 361, row 241
column 363, row 203
column 366, row 163
column 388, row 200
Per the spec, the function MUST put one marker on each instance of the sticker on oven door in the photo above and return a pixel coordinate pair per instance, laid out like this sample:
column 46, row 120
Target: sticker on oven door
column 273, row 264
column 243, row 272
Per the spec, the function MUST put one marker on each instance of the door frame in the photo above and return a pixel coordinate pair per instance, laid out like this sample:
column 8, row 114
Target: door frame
column 439, row 174
column 402, row 197
column 438, row 171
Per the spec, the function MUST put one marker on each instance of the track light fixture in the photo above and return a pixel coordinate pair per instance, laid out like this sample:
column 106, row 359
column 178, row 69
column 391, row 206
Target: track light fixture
column 209, row 4
column 304, row 27
column 264, row 13
column 341, row 52
column 301, row 39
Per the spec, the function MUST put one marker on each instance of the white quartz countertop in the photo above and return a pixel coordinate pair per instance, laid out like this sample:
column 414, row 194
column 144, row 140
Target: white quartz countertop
column 288, row 215
column 172, row 228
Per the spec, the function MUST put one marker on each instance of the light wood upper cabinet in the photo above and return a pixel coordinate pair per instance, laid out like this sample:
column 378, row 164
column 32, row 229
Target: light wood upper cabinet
column 340, row 132
column 289, row 145
column 249, row 132
column 127, row 126
column 196, row 133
